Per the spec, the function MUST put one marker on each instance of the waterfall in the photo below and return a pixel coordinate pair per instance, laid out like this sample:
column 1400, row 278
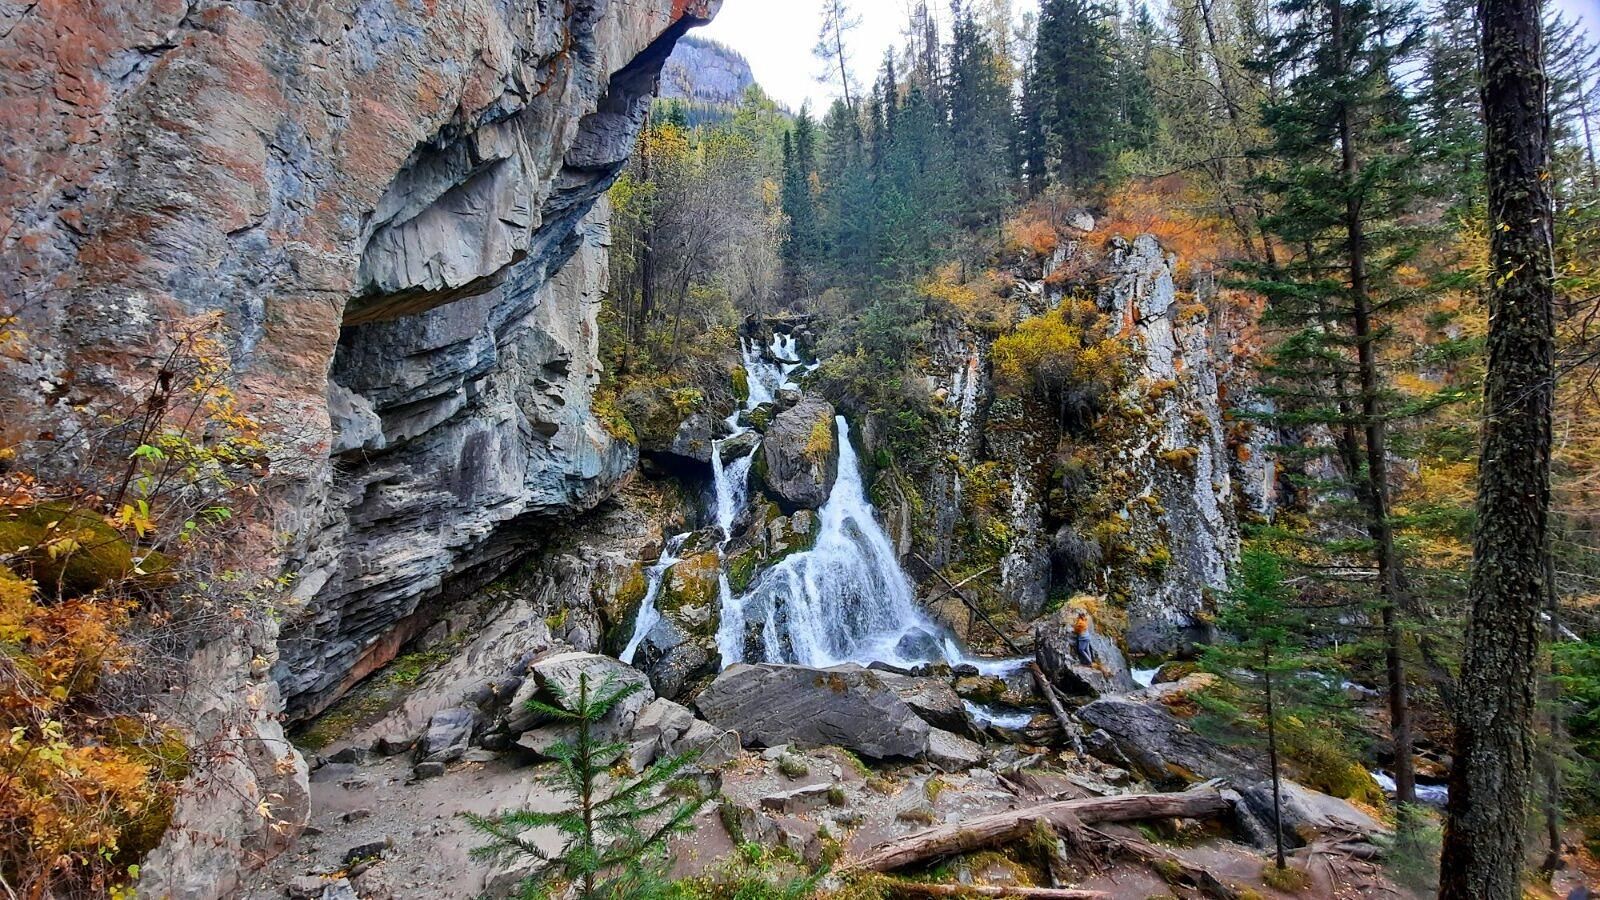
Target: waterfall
column 844, row 600
column 648, row 614
column 731, row 486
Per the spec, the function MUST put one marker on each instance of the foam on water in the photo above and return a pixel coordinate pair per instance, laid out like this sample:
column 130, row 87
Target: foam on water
column 648, row 614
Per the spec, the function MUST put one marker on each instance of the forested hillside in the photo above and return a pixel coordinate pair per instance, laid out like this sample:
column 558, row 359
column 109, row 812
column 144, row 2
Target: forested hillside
column 1315, row 172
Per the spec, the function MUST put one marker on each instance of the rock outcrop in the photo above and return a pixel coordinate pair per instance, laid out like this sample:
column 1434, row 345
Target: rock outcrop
column 800, row 454
column 848, row 706
column 1181, row 515
column 380, row 201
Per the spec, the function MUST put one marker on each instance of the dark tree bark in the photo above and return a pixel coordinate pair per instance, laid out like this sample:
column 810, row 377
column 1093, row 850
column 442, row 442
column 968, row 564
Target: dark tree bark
column 1484, row 828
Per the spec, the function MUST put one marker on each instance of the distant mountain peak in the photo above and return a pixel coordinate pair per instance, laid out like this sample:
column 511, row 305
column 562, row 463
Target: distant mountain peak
column 701, row 70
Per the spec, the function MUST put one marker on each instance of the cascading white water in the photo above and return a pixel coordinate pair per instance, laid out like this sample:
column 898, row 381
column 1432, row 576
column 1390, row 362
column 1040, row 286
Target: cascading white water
column 731, row 485
column 844, row 600
column 648, row 614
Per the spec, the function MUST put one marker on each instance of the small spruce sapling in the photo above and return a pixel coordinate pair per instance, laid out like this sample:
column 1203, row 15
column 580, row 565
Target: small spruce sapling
column 617, row 829
column 1265, row 666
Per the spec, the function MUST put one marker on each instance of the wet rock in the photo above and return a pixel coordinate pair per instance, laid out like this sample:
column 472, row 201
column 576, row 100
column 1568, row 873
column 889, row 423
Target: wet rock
column 1054, row 643
column 800, row 454
column 738, row 446
column 848, row 705
column 1160, row 746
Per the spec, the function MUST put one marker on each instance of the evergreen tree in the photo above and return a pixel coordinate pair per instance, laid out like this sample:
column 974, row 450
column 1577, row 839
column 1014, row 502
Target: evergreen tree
column 980, row 117
column 616, row 832
column 1343, row 214
column 802, row 244
column 1284, row 682
column 1075, row 85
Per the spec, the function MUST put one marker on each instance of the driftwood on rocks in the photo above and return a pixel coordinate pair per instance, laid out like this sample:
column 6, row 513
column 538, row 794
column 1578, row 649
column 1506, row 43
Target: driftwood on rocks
column 1011, row 825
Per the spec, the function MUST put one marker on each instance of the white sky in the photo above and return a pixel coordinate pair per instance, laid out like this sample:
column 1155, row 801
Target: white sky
column 777, row 37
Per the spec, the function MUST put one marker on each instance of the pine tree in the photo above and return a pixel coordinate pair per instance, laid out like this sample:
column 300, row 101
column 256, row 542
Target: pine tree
column 1074, row 80
column 1343, row 214
column 616, row 833
column 980, row 118
column 802, row 243
column 833, row 45
column 1266, row 642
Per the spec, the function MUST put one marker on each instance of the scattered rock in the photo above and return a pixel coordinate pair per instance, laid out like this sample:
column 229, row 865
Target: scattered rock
column 849, row 706
column 798, row 800
column 356, row 815
column 739, row 446
column 431, row 769
column 358, row 756
column 339, row 889
column 369, row 850
column 306, row 887
column 449, row 732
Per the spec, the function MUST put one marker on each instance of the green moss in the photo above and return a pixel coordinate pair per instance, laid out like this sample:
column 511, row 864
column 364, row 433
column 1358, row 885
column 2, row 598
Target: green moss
column 1155, row 562
column 74, row 549
column 1288, row 880
column 742, row 570
column 791, row 766
column 819, row 444
column 761, row 417
column 692, row 582
column 741, row 384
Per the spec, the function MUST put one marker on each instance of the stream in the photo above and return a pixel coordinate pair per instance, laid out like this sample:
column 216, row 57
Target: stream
column 845, row 600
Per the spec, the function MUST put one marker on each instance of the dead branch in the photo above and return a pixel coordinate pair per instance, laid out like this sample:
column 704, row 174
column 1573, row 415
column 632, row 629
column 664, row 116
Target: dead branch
column 1012, row 825
column 924, row 889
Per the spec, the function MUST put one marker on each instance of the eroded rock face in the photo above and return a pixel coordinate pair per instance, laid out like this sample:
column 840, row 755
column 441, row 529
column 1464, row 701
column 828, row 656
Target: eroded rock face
column 1189, row 535
column 380, row 202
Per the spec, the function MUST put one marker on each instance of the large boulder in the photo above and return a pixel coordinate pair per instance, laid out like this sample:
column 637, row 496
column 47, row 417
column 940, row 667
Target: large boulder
column 665, row 728
column 448, row 735
column 800, row 454
column 847, row 706
column 556, row 680
column 1158, row 744
column 933, row 700
column 1054, row 641
column 1306, row 814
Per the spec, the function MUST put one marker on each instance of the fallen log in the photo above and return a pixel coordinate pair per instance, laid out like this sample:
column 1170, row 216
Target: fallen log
column 1012, row 825
column 1048, row 692
column 1172, row 869
column 924, row 889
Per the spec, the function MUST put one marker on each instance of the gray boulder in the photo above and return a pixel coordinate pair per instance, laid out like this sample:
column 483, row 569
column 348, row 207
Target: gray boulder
column 448, row 735
column 800, row 454
column 1307, row 814
column 665, row 728
column 933, row 700
column 1160, row 746
column 798, row 800
column 952, row 752
column 1053, row 644
column 693, row 439
column 847, row 706
column 556, row 680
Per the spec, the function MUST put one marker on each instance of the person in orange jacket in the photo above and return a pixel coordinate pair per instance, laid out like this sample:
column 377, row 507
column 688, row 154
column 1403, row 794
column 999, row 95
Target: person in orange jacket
column 1080, row 630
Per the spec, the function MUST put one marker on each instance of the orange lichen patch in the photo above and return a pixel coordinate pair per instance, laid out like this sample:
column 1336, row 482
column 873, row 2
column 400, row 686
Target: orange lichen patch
column 1171, row 212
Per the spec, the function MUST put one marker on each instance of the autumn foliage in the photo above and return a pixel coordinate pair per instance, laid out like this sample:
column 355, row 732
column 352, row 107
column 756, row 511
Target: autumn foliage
column 108, row 556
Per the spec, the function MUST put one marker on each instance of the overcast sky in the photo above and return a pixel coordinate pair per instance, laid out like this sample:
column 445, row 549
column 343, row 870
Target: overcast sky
column 777, row 37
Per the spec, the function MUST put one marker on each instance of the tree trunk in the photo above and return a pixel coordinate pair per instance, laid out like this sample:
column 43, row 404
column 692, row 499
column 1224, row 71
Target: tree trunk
column 924, row 889
column 1377, row 450
column 1003, row 827
column 1272, row 759
column 1483, row 842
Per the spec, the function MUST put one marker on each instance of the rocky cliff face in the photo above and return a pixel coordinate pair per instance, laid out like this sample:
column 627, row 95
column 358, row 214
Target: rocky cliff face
column 1142, row 506
column 391, row 207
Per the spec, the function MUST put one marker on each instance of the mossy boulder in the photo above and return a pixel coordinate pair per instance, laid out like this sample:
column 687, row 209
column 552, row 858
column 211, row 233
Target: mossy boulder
column 75, row 550
column 800, row 455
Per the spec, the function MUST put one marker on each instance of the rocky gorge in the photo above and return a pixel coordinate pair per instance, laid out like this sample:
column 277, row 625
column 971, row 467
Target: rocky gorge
column 399, row 212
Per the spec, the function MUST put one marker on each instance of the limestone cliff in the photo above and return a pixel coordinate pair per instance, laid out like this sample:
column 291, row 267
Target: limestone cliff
column 391, row 205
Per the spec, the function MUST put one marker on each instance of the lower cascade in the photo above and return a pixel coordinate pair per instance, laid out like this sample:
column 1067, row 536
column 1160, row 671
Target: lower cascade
column 844, row 600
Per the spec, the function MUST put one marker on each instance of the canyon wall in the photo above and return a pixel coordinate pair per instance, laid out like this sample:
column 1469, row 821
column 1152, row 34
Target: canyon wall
column 391, row 206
